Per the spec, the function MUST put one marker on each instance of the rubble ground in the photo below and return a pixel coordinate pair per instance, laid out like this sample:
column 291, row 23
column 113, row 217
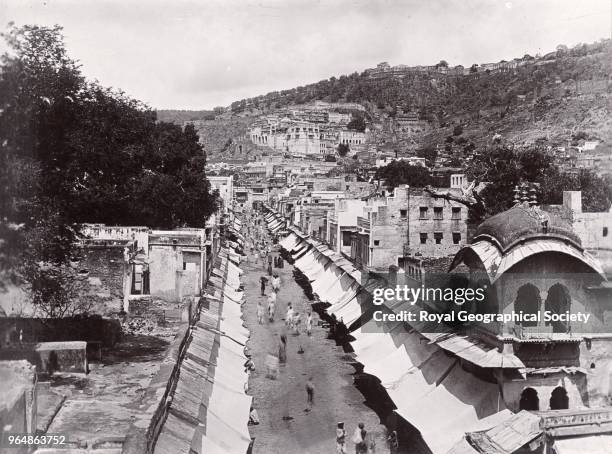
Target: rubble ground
column 101, row 405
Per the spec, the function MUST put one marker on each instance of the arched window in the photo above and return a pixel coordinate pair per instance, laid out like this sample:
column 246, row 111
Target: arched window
column 558, row 301
column 559, row 399
column 529, row 301
column 529, row 400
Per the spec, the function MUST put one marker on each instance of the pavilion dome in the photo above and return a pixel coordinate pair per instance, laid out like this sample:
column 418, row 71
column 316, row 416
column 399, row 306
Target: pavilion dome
column 522, row 223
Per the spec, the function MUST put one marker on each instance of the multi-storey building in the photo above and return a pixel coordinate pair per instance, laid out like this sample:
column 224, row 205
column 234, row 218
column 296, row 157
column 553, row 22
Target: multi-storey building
column 310, row 213
column 303, row 138
column 225, row 186
column 531, row 262
column 342, row 223
column 408, row 223
column 351, row 138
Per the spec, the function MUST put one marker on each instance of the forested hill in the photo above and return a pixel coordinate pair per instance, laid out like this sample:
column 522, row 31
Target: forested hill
column 441, row 90
column 181, row 116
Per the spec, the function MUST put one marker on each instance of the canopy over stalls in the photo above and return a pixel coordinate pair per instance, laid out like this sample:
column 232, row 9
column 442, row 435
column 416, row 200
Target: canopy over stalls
column 454, row 406
column 209, row 411
column 418, row 363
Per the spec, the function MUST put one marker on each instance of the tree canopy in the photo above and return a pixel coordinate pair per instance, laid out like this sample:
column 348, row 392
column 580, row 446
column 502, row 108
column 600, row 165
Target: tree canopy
column 343, row 150
column 503, row 168
column 357, row 124
column 72, row 151
column 401, row 172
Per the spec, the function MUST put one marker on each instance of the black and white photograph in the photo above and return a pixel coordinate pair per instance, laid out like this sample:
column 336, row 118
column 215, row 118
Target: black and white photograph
column 305, row 227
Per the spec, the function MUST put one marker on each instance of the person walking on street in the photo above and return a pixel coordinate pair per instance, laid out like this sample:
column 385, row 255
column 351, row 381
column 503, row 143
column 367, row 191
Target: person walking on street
column 260, row 312
column 263, row 280
column 289, row 316
column 310, row 393
column 272, row 297
column 271, row 366
column 296, row 324
column 340, row 439
column 359, row 438
column 271, row 309
column 282, row 349
column 276, row 283
column 309, row 323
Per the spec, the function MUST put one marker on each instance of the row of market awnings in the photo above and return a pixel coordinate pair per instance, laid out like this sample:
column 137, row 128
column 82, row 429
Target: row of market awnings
column 418, row 365
column 427, row 385
column 274, row 221
column 337, row 282
column 210, row 408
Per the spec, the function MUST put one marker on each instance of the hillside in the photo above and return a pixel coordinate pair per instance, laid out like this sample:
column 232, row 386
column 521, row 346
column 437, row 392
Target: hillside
column 543, row 99
column 181, row 116
column 439, row 90
column 527, row 98
column 223, row 138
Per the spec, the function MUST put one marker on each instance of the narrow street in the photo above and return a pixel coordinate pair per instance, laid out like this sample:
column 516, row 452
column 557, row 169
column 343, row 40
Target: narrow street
column 285, row 425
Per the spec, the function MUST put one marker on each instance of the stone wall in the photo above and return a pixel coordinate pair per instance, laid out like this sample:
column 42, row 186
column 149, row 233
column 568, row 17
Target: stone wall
column 595, row 357
column 163, row 269
column 94, row 329
column 439, row 224
column 389, row 230
column 49, row 357
column 106, row 277
column 17, row 398
column 174, row 273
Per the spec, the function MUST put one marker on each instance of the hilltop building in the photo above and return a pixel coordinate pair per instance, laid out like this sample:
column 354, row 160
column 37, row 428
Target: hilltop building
column 313, row 131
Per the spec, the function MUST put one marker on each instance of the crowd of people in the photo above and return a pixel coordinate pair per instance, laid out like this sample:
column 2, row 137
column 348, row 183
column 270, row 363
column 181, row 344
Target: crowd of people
column 261, row 247
column 363, row 443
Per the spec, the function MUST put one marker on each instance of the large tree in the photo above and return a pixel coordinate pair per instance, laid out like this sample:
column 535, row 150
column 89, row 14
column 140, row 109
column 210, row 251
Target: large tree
column 503, row 168
column 401, row 172
column 72, row 151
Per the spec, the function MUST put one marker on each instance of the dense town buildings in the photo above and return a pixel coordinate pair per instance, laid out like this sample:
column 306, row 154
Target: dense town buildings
column 307, row 132
column 530, row 259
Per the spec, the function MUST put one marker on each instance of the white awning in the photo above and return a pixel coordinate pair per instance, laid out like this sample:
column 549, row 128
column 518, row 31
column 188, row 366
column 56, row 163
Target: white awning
column 349, row 313
column 289, row 242
column 347, row 298
column 592, row 444
column 454, row 407
column 226, row 422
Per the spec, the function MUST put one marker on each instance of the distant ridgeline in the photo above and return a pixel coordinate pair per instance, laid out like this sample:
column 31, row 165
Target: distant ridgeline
column 181, row 116
column 453, row 89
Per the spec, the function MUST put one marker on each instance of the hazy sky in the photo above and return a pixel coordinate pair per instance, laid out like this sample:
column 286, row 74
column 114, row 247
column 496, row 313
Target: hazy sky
column 199, row 54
